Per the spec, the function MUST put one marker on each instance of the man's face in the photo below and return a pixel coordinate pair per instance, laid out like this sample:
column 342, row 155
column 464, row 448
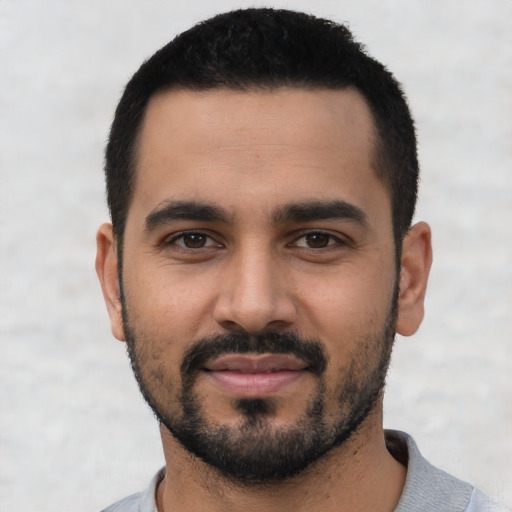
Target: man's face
column 258, row 274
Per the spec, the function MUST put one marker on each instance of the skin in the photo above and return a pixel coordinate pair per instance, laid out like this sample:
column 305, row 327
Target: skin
column 252, row 154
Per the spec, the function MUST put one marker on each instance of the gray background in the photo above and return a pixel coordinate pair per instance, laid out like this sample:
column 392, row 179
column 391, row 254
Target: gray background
column 74, row 432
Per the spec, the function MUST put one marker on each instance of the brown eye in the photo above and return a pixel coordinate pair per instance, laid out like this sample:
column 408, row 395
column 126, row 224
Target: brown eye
column 318, row 240
column 194, row 240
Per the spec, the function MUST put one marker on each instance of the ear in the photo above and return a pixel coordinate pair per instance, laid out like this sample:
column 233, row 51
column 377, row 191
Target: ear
column 416, row 262
column 107, row 270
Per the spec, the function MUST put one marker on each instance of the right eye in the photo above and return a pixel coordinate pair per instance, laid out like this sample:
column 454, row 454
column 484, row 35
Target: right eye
column 192, row 240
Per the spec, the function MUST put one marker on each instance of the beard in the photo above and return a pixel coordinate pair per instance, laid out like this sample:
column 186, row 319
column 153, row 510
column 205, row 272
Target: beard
column 254, row 450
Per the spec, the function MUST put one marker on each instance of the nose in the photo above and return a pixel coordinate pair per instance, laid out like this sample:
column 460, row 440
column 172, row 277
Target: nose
column 254, row 295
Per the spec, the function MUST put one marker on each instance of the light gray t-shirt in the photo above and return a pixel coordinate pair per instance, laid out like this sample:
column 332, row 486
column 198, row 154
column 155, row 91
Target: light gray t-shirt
column 427, row 489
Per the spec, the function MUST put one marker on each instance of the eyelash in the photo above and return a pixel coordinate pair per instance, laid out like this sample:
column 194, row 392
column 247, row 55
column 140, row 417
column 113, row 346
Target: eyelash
column 332, row 240
column 182, row 235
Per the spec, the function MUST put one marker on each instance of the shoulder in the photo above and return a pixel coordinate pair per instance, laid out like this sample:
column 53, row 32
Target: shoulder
column 480, row 502
column 129, row 504
column 140, row 502
column 429, row 489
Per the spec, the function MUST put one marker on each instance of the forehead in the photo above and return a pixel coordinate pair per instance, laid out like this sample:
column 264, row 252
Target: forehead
column 269, row 145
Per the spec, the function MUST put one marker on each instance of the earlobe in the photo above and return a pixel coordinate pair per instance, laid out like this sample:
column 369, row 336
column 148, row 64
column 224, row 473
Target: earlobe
column 107, row 270
column 416, row 261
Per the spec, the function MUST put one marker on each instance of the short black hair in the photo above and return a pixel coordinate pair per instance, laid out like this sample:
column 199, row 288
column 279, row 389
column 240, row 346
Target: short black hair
column 268, row 48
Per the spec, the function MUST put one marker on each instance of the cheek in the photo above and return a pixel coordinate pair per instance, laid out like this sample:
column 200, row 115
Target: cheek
column 168, row 301
column 349, row 306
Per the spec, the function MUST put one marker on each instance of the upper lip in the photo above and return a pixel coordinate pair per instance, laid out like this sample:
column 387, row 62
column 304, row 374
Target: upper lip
column 255, row 363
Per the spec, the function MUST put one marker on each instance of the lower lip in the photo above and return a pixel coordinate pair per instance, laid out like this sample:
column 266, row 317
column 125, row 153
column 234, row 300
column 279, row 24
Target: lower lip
column 254, row 385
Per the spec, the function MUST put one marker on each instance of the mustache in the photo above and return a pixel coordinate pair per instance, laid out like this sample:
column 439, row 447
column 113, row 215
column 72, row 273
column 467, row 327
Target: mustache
column 310, row 351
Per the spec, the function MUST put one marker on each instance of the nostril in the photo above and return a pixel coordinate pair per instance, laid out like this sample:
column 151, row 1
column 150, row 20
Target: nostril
column 253, row 305
column 231, row 326
column 274, row 325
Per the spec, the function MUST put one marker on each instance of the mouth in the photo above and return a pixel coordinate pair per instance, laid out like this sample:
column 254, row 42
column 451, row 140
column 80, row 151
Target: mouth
column 254, row 375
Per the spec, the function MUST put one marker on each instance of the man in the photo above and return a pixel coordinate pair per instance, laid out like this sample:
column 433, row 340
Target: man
column 262, row 178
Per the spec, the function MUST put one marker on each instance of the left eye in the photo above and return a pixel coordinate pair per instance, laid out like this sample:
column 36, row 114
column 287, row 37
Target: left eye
column 316, row 240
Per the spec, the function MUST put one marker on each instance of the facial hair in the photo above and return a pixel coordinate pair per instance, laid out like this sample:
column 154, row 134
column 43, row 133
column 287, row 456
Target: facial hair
column 255, row 451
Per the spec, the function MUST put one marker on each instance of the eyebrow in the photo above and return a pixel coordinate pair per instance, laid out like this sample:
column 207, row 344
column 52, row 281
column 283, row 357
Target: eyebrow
column 320, row 210
column 306, row 211
column 184, row 210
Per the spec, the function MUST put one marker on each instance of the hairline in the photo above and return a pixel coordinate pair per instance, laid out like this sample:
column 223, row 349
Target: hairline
column 379, row 157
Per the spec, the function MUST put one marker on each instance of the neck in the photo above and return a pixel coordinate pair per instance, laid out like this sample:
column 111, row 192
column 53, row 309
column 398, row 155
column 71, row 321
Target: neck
column 358, row 476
